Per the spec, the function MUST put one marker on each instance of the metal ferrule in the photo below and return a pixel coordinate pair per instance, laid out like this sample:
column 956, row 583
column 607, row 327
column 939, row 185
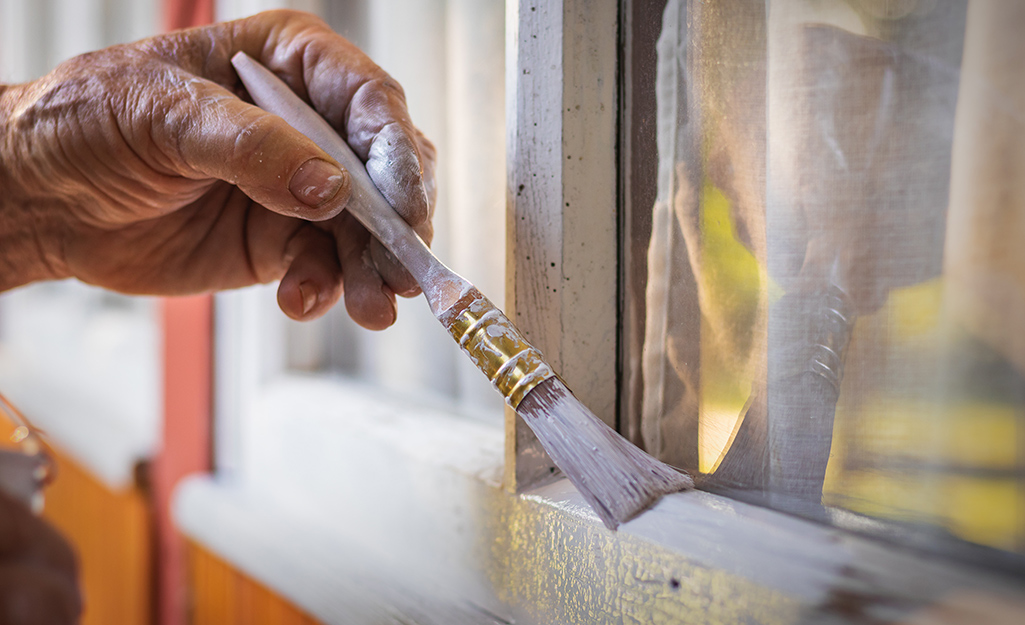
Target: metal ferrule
column 833, row 334
column 498, row 349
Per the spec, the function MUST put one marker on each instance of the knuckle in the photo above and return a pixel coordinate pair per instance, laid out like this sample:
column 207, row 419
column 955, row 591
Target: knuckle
column 252, row 144
column 380, row 94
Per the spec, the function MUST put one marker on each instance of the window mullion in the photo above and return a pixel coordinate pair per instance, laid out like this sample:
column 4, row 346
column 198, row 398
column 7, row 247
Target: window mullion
column 562, row 250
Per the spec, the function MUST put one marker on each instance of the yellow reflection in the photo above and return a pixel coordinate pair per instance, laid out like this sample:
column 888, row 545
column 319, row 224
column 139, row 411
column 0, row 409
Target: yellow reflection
column 899, row 453
column 985, row 511
column 730, row 284
column 914, row 311
column 982, row 435
column 953, row 462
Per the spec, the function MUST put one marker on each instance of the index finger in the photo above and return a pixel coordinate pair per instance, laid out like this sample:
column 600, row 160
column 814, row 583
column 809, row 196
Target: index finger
column 359, row 99
column 27, row 539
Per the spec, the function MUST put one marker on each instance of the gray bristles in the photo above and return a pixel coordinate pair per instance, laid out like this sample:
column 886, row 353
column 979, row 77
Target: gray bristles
column 614, row 476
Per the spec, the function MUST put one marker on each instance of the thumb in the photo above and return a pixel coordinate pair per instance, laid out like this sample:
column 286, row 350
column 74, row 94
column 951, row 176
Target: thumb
column 32, row 595
column 217, row 135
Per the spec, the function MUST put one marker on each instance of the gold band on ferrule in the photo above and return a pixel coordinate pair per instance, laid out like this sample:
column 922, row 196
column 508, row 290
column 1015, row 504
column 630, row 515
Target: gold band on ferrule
column 498, row 349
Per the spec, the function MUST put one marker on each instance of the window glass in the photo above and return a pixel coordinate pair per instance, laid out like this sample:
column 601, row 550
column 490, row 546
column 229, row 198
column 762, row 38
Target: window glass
column 829, row 282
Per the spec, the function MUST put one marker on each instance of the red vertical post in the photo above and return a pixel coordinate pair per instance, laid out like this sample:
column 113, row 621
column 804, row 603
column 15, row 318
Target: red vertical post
column 185, row 13
column 186, row 446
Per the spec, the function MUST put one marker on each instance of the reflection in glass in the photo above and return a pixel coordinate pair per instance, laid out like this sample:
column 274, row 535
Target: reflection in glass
column 834, row 309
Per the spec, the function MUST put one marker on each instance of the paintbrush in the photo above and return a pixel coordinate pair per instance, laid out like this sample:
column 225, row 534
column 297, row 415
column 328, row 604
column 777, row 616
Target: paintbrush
column 616, row 478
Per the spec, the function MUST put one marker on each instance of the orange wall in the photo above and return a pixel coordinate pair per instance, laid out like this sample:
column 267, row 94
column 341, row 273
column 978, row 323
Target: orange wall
column 111, row 533
column 220, row 595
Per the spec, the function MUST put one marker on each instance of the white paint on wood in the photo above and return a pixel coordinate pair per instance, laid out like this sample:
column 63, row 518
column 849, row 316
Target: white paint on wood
column 405, row 518
column 589, row 272
column 561, row 120
column 534, row 121
column 562, row 180
column 83, row 365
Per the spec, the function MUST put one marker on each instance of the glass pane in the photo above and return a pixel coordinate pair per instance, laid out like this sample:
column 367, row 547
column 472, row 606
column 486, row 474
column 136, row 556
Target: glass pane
column 834, row 292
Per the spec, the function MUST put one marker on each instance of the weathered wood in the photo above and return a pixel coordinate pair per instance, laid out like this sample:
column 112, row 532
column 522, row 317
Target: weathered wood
column 561, row 269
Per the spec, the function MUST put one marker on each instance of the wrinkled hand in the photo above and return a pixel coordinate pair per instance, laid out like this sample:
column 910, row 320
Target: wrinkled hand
column 143, row 169
column 38, row 570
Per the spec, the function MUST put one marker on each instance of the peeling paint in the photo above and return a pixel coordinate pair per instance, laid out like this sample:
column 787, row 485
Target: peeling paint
column 555, row 567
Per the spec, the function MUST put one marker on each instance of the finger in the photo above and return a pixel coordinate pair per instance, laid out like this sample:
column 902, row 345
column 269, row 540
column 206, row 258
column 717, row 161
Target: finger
column 313, row 282
column 32, row 595
column 394, row 274
column 429, row 160
column 210, row 133
column 358, row 98
column 393, row 162
column 395, row 168
column 368, row 300
column 27, row 539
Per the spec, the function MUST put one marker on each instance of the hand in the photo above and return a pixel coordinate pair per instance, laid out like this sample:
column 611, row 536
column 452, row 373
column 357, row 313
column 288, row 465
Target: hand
column 38, row 571
column 141, row 168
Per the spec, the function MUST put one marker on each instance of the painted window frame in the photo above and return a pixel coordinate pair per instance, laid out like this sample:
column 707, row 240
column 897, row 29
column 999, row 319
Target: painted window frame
column 473, row 551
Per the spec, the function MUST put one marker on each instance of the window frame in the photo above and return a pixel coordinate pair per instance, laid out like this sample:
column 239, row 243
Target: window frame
column 562, row 270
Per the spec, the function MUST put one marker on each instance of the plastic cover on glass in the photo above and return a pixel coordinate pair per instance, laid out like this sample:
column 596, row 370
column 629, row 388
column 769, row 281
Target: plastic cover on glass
column 835, row 300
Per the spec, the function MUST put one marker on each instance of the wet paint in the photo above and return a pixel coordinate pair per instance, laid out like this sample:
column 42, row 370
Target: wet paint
column 550, row 566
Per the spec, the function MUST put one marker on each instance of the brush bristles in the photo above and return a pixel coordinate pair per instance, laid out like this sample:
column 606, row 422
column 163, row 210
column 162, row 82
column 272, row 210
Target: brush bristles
column 614, row 476
column 617, row 479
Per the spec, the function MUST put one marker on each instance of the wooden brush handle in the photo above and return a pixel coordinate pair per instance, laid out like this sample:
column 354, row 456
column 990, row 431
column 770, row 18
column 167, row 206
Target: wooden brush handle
column 494, row 345
column 366, row 204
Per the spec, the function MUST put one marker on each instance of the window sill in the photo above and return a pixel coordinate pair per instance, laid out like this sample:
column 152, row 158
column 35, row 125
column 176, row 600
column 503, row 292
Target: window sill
column 86, row 374
column 110, row 446
column 361, row 507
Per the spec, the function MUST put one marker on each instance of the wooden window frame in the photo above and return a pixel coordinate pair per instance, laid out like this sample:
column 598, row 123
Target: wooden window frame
column 562, row 270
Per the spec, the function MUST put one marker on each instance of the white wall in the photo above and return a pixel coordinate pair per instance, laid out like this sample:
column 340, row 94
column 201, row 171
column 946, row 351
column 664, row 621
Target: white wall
column 35, row 35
